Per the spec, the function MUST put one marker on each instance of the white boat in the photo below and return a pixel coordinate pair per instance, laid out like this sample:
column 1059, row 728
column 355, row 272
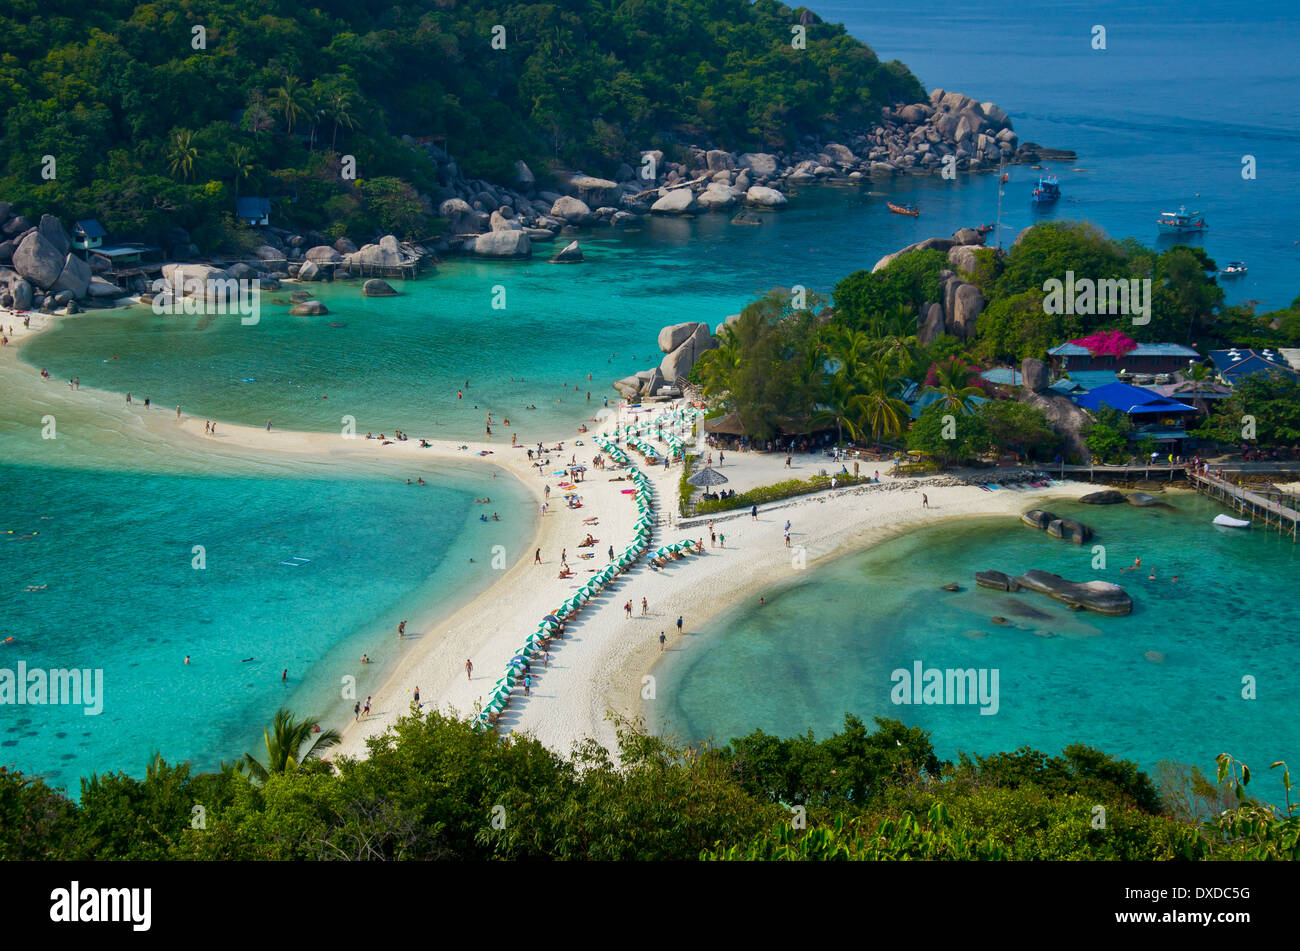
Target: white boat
column 1229, row 522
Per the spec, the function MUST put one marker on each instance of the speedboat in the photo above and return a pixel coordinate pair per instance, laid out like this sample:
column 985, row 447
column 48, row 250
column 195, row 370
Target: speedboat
column 1181, row 221
column 1234, row 269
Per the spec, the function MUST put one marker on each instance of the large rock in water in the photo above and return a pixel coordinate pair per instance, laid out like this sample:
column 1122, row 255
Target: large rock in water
column 38, row 260
column 677, row 201
column 1100, row 596
column 1105, row 497
column 570, row 209
column 308, row 308
column 717, row 196
column 764, row 197
column 75, row 277
column 1142, row 500
column 386, row 254
column 377, row 288
column 503, row 244
column 996, row 580
column 1069, row 530
column 569, row 254
column 309, row 271
column 1037, row 518
column 51, row 230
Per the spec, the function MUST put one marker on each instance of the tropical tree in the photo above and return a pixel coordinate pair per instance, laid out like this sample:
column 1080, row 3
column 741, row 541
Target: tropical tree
column 182, row 154
column 241, row 161
column 1198, row 374
column 290, row 743
column 840, row 403
column 291, row 100
column 954, row 379
column 340, row 108
column 883, row 414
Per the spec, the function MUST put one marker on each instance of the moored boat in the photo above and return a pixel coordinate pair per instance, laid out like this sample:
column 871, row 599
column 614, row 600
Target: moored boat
column 903, row 209
column 1234, row 269
column 1227, row 521
column 1046, row 192
column 1181, row 221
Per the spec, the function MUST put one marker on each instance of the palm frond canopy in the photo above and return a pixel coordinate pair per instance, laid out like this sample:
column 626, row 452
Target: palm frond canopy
column 706, row 477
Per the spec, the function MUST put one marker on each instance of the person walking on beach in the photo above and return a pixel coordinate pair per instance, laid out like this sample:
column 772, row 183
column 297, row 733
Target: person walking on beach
column 611, row 552
column 268, row 425
column 537, row 557
column 925, row 501
column 417, row 697
column 722, row 541
column 469, row 669
column 564, row 556
column 178, row 412
column 356, row 710
column 365, row 711
column 787, row 460
column 645, row 607
column 753, row 512
column 679, row 624
column 401, row 629
column 787, row 538
column 146, row 402
column 663, row 639
column 528, row 685
column 628, row 607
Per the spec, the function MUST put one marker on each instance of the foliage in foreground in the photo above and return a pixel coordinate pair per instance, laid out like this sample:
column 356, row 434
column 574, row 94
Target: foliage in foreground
column 434, row 787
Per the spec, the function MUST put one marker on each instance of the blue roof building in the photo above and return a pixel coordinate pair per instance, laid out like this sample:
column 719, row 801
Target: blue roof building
column 253, row 211
column 1235, row 364
column 1132, row 400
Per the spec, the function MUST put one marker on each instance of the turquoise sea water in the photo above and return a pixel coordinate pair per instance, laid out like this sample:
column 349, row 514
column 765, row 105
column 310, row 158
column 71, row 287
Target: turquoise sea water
column 1162, row 117
column 114, row 552
column 828, row 641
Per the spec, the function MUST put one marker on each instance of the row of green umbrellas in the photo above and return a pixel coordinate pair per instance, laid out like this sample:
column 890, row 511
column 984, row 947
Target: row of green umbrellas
column 504, row 687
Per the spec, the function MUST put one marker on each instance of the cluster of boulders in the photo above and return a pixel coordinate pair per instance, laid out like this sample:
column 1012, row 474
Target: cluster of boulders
column 1103, row 597
column 682, row 345
column 40, row 270
column 1068, row 529
column 310, row 257
column 504, row 221
column 960, row 302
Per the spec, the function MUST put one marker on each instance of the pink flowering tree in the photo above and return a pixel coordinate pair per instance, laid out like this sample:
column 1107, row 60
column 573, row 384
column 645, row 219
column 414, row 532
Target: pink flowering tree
column 1107, row 343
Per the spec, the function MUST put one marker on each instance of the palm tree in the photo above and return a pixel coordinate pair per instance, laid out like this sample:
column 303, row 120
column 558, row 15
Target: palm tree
column 182, row 154
column 291, row 100
column 314, row 109
column 241, row 160
column 719, row 364
column 840, row 399
column 340, row 108
column 953, row 379
column 289, row 744
column 881, row 411
column 1199, row 374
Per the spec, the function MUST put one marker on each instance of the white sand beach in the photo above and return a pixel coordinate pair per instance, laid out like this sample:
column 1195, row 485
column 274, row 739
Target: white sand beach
column 600, row 664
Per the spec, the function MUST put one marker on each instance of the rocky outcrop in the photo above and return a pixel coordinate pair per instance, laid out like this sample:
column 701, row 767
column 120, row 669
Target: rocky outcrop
column 75, row 278
column 1100, row 596
column 572, row 210
column 996, row 580
column 571, row 253
column 308, row 271
column 1142, row 500
column 677, row 201
column 1105, row 497
column 377, row 288
column 761, row 164
column 51, row 229
column 323, row 254
column 38, row 260
column 1066, row 419
column 308, row 308
column 716, row 196
column 503, row 244
column 763, row 197
column 678, row 363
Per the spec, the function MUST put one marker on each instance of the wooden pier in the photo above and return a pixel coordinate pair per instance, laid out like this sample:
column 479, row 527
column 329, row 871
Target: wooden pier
column 1248, row 503
column 1125, row 474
